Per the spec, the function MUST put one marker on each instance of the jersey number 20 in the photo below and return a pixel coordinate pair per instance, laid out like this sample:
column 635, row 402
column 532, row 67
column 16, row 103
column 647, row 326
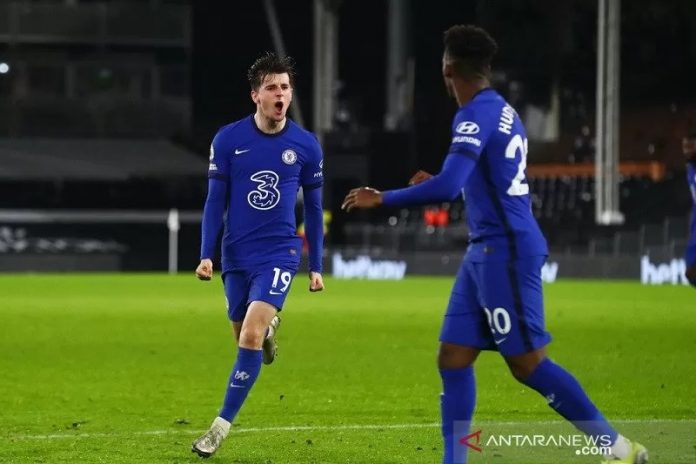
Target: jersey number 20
column 517, row 187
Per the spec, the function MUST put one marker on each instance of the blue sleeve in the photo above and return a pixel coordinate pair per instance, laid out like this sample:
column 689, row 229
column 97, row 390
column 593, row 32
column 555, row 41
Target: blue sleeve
column 314, row 227
column 218, row 167
column 312, row 173
column 445, row 186
column 213, row 214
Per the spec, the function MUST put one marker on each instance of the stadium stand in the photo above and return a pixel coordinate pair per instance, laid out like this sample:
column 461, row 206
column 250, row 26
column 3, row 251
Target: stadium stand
column 99, row 173
column 564, row 207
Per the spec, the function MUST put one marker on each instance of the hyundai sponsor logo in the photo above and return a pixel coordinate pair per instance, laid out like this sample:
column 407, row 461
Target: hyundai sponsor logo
column 466, row 139
column 467, row 128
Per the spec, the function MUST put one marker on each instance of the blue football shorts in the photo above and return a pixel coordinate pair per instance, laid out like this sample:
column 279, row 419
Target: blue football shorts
column 497, row 305
column 268, row 283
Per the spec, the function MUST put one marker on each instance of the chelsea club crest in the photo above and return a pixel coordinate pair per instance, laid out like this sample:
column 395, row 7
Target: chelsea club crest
column 289, row 157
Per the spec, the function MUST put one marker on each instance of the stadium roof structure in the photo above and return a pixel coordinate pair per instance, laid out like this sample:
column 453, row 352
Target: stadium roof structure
column 95, row 159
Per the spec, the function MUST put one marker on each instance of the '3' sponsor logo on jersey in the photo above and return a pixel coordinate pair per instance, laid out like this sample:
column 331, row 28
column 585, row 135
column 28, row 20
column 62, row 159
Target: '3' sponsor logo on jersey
column 266, row 194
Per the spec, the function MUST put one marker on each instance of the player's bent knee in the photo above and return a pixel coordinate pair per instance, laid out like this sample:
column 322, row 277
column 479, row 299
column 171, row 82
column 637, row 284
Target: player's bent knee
column 520, row 373
column 252, row 337
column 253, row 330
column 523, row 365
column 453, row 356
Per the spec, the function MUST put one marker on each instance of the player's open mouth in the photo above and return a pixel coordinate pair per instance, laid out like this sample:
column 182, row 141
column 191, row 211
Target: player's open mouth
column 279, row 106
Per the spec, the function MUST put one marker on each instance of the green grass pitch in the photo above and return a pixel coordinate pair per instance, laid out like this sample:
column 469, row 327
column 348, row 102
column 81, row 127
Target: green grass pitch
column 131, row 368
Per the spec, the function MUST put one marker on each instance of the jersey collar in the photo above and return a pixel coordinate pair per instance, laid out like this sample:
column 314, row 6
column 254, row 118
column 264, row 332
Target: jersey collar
column 481, row 91
column 281, row 132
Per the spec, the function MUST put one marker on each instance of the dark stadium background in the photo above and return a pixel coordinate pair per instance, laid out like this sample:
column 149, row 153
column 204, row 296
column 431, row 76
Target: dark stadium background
column 536, row 38
column 170, row 73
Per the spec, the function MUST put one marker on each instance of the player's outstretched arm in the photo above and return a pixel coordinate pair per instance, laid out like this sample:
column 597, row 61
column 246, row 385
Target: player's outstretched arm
column 362, row 197
column 445, row 186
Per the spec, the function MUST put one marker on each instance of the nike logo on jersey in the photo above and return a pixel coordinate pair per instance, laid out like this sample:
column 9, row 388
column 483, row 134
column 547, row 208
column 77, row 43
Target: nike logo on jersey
column 237, row 386
column 273, row 292
column 239, row 152
column 498, row 342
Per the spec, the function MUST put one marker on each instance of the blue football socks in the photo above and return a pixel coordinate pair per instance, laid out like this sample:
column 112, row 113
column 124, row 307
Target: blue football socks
column 565, row 395
column 457, row 405
column 244, row 374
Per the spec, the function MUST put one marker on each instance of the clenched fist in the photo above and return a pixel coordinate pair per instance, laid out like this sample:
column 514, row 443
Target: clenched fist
column 204, row 271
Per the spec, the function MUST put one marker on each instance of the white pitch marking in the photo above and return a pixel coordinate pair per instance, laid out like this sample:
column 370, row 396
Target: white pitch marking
column 303, row 428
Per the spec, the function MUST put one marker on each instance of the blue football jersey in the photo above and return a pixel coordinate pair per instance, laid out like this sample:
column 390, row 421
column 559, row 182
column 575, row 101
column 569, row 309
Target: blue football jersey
column 691, row 174
column 497, row 196
column 264, row 173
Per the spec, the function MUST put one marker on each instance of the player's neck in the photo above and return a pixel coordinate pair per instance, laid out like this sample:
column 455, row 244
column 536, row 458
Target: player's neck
column 464, row 91
column 268, row 125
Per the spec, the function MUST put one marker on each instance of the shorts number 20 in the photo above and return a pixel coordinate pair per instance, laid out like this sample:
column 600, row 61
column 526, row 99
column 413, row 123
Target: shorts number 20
column 498, row 320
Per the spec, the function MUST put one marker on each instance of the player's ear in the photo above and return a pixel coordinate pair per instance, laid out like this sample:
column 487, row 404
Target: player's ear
column 254, row 96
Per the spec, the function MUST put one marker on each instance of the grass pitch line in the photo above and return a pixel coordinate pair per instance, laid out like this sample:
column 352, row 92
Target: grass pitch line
column 290, row 428
column 320, row 428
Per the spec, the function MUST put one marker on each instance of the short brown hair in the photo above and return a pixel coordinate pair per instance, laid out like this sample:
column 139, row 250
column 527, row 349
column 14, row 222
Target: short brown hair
column 270, row 63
